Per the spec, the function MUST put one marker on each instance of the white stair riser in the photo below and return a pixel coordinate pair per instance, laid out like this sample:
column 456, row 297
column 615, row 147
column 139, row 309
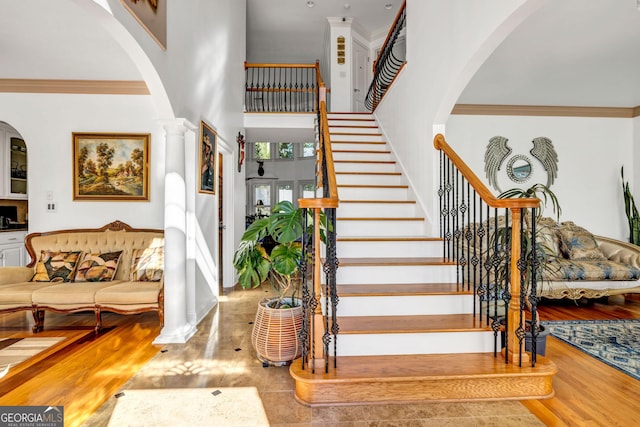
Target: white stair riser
column 372, row 193
column 368, row 179
column 364, row 138
column 417, row 343
column 385, row 228
column 354, row 145
column 378, row 274
column 399, row 249
column 364, row 155
column 405, row 305
column 356, row 123
column 363, row 130
column 349, row 116
column 364, row 167
column 372, row 210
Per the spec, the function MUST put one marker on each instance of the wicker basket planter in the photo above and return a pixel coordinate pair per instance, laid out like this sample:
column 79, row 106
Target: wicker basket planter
column 275, row 333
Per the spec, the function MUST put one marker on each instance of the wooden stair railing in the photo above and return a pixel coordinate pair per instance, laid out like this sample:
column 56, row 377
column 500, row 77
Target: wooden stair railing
column 320, row 330
column 469, row 239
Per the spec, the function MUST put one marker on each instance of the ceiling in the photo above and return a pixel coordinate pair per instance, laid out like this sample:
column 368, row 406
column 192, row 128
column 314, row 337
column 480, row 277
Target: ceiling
column 569, row 53
column 288, row 31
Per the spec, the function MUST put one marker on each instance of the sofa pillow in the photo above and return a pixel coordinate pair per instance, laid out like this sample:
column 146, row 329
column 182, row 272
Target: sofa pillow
column 578, row 243
column 147, row 265
column 547, row 236
column 98, row 267
column 56, row 266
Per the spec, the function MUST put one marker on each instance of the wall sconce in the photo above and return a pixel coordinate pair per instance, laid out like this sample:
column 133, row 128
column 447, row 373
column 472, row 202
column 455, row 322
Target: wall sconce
column 341, row 50
column 260, row 168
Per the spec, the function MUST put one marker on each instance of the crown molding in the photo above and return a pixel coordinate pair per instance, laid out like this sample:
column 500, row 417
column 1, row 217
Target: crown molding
column 541, row 110
column 94, row 87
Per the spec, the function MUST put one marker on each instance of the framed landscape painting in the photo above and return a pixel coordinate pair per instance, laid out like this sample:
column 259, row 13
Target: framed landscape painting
column 207, row 159
column 111, row 166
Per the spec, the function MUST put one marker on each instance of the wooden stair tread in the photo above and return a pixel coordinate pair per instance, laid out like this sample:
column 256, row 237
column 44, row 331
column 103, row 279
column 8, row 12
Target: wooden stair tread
column 354, row 368
column 370, row 173
column 366, row 218
column 389, row 239
column 356, row 133
column 363, row 151
column 352, row 126
column 401, row 289
column 411, row 324
column 353, row 262
column 366, row 161
column 379, row 201
column 334, row 143
column 371, row 186
column 418, row 378
column 351, row 119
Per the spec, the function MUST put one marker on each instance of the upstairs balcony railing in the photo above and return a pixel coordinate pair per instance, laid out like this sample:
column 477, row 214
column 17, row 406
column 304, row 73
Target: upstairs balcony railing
column 390, row 61
column 491, row 241
column 282, row 88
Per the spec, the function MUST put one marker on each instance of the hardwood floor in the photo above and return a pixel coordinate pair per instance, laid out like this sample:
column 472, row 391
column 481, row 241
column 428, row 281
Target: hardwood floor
column 83, row 377
column 588, row 392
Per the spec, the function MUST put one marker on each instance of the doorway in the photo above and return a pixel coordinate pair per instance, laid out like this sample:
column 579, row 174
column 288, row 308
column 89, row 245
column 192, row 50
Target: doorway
column 221, row 225
column 360, row 77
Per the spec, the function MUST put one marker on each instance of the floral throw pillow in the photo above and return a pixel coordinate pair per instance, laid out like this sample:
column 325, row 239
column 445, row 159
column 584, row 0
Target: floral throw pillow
column 547, row 236
column 98, row 267
column 147, row 265
column 56, row 266
column 578, row 243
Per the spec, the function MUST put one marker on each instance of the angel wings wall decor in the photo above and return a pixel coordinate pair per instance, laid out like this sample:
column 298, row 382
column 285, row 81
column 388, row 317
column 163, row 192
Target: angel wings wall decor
column 519, row 168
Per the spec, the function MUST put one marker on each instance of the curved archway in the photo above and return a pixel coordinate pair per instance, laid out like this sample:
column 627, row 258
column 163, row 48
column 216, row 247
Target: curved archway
column 449, row 99
column 98, row 10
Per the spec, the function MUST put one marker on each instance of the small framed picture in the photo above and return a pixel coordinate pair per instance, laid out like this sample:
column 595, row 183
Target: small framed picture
column 207, row 155
column 111, row 166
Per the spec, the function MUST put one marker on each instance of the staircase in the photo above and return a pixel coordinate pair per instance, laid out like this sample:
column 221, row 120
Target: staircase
column 407, row 330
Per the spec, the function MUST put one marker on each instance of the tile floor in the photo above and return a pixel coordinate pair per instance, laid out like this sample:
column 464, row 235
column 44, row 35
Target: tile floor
column 220, row 355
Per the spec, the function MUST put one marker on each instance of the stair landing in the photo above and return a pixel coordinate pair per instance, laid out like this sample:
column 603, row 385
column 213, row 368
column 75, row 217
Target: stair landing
column 424, row 377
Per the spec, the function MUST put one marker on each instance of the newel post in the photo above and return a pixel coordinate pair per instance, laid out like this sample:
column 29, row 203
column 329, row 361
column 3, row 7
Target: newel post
column 513, row 314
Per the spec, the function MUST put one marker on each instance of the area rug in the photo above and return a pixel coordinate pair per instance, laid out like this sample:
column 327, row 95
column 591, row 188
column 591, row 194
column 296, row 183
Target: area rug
column 220, row 407
column 17, row 350
column 614, row 342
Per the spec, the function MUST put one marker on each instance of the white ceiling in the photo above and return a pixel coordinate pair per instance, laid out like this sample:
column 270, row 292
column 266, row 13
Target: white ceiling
column 570, row 52
column 287, row 31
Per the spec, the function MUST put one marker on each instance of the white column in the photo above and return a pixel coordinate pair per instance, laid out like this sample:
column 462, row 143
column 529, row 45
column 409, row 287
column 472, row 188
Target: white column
column 177, row 328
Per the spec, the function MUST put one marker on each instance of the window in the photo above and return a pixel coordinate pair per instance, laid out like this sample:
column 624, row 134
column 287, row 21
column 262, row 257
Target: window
column 308, row 149
column 262, row 199
column 307, row 190
column 285, row 150
column 262, row 150
column 285, row 191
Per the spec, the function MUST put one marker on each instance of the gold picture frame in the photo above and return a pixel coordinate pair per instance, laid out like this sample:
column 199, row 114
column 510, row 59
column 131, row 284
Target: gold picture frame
column 207, row 155
column 111, row 166
column 152, row 16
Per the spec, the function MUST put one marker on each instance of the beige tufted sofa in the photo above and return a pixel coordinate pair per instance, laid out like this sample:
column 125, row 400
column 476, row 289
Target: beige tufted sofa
column 125, row 293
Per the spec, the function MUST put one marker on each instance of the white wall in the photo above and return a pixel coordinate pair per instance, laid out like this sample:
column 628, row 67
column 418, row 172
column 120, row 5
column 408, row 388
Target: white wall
column 590, row 154
column 202, row 73
column 446, row 43
column 46, row 122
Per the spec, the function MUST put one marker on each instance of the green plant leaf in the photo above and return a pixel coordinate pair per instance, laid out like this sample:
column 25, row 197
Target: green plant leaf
column 257, row 230
column 286, row 258
column 285, row 223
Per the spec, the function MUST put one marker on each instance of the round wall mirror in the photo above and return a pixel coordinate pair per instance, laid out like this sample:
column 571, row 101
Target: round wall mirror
column 519, row 168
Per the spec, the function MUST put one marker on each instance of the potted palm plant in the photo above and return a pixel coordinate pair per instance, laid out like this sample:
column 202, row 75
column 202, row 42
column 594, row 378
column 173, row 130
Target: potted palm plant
column 279, row 319
column 633, row 218
column 535, row 250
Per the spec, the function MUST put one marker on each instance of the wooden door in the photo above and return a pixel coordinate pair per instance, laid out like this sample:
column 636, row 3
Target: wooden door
column 221, row 225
